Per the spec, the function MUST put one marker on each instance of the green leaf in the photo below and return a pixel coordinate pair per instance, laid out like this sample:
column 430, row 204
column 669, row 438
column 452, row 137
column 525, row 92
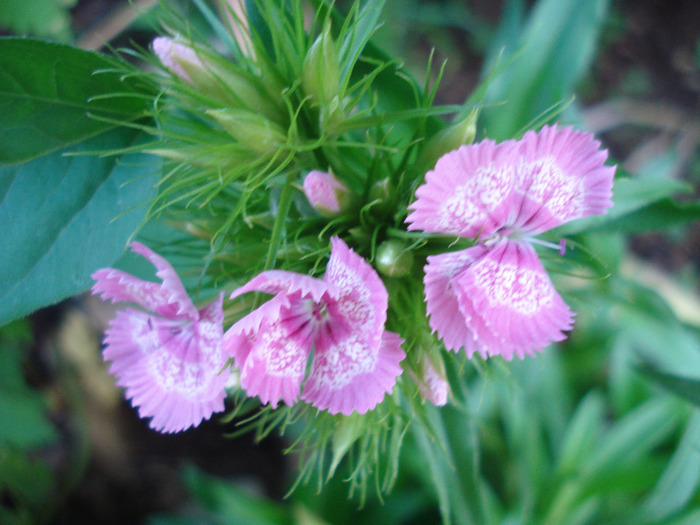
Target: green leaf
column 629, row 195
column 454, row 487
column 685, row 387
column 23, row 422
column 45, row 18
column 556, row 47
column 680, row 480
column 662, row 215
column 53, row 95
column 65, row 217
column 233, row 505
column 582, row 433
column 29, row 482
column 630, row 440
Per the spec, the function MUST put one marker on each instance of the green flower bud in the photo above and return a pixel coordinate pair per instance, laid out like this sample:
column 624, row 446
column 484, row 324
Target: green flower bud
column 235, row 88
column 217, row 78
column 393, row 259
column 320, row 79
column 452, row 137
column 254, row 132
column 320, row 75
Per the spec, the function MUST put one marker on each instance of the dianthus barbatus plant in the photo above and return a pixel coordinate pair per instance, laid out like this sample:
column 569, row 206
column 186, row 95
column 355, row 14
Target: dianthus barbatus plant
column 295, row 168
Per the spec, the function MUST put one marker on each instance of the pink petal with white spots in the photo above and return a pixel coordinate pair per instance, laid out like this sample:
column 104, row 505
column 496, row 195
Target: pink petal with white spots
column 280, row 281
column 349, row 375
column 446, row 315
column 361, row 301
column 561, row 176
column 541, row 181
column 252, row 322
column 168, row 299
column 272, row 357
column 171, row 368
column 469, row 193
column 510, row 302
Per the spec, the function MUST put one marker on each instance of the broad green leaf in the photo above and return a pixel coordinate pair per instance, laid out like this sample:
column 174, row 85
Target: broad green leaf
column 54, row 95
column 556, row 46
column 66, row 216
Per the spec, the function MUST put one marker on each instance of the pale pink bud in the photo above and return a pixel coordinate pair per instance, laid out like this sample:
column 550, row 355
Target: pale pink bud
column 176, row 57
column 433, row 384
column 326, row 194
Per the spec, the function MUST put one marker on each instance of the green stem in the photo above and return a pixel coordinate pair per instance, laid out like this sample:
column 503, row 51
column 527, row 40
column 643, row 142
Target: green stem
column 278, row 227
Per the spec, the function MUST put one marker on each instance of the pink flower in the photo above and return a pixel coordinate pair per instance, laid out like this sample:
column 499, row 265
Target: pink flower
column 355, row 362
column 173, row 55
column 326, row 194
column 169, row 357
column 496, row 298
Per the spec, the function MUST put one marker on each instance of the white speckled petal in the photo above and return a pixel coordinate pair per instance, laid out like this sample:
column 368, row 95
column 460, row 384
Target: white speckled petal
column 510, row 302
column 561, row 177
column 446, row 316
column 361, row 301
column 469, row 193
column 169, row 367
column 541, row 181
column 348, row 375
column 273, row 359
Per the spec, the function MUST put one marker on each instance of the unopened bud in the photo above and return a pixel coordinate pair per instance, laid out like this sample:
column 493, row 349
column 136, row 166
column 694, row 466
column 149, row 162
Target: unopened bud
column 433, row 384
column 394, row 259
column 320, row 75
column 252, row 131
column 176, row 57
column 452, row 137
column 326, row 194
column 217, row 78
column 320, row 79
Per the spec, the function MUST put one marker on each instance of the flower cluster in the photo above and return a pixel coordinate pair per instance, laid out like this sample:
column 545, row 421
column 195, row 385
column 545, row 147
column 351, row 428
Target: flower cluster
column 324, row 340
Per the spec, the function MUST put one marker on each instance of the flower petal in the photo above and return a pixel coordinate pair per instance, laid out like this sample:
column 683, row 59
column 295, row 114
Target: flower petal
column 562, row 177
column 172, row 285
column 470, row 191
column 546, row 179
column 280, row 281
column 510, row 301
column 272, row 358
column 170, row 368
column 168, row 299
column 361, row 301
column 446, row 316
column 349, row 375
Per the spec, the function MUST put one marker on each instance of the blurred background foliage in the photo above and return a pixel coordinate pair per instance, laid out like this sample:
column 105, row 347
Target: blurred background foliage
column 602, row 429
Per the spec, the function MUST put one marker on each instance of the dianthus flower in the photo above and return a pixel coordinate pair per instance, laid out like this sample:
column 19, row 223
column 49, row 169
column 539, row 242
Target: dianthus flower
column 496, row 298
column 355, row 362
column 168, row 357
